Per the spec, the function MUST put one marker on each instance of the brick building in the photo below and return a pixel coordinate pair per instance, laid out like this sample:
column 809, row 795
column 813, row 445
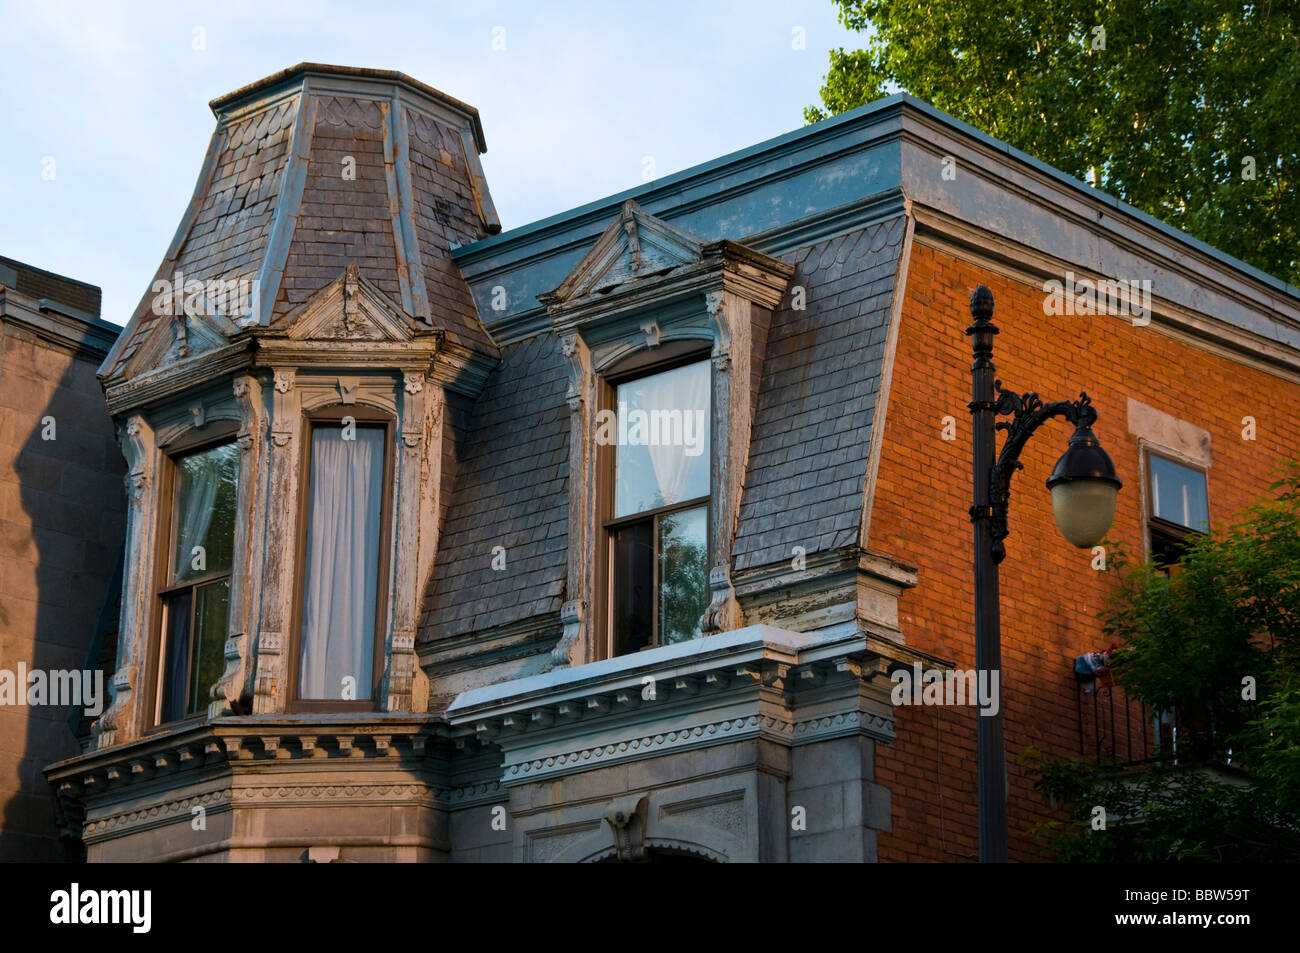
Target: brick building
column 61, row 520
column 404, row 583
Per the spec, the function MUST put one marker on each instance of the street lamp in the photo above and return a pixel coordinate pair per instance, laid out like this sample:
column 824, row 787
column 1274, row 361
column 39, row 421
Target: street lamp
column 1083, row 487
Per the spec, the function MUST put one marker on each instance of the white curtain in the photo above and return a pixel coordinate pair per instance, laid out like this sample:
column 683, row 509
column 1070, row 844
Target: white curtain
column 200, row 479
column 338, row 619
column 680, row 476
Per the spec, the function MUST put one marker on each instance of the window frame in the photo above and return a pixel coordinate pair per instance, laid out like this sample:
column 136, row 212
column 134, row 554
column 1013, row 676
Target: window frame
column 365, row 416
column 1168, row 532
column 217, row 434
column 634, row 367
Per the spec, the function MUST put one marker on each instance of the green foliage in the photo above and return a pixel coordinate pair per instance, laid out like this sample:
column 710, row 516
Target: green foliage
column 1274, row 752
column 1230, row 612
column 1216, row 640
column 1183, row 92
column 1162, row 814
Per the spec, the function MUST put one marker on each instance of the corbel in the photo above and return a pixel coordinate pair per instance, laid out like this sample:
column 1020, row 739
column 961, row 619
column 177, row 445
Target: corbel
column 626, row 818
column 284, row 410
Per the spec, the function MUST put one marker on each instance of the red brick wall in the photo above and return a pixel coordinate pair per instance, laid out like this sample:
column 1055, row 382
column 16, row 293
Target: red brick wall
column 1050, row 594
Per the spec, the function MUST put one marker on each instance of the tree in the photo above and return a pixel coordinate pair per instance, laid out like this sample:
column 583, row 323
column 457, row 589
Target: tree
column 1183, row 108
column 1216, row 641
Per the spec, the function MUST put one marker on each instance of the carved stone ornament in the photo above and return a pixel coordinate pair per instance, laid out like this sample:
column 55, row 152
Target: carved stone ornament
column 626, row 818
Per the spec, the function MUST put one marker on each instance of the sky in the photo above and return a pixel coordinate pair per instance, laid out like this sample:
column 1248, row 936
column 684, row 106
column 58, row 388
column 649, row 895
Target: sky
column 104, row 118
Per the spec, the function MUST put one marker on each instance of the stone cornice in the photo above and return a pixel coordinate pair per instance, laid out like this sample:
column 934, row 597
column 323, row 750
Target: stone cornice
column 177, row 379
column 788, row 687
column 250, row 739
column 943, row 232
column 84, row 335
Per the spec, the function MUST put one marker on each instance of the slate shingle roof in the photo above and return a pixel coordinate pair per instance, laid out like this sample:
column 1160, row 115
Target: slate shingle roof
column 368, row 219
column 444, row 215
column 808, row 449
column 228, row 237
column 812, row 427
column 511, row 490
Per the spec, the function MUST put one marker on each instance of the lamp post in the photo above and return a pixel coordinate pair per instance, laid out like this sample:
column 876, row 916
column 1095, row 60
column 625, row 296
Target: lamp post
column 1083, row 487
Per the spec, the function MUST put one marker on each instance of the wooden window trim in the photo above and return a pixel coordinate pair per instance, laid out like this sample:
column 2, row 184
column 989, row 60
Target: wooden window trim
column 364, row 416
column 674, row 355
column 191, row 441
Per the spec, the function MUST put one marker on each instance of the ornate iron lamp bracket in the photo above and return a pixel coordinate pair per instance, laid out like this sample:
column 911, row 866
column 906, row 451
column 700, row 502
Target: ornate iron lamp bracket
column 1028, row 413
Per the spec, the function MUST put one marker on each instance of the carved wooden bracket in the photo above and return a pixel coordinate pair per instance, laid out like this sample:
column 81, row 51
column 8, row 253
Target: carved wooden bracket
column 285, row 410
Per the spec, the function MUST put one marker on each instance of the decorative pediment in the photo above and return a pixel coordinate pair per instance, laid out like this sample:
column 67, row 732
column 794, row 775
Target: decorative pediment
column 349, row 309
column 636, row 245
column 186, row 328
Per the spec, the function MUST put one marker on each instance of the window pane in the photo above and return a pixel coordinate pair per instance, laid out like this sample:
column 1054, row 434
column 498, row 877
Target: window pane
column 207, row 488
column 1178, row 493
column 683, row 574
column 176, row 655
column 208, row 661
column 342, row 563
column 662, row 454
column 632, row 592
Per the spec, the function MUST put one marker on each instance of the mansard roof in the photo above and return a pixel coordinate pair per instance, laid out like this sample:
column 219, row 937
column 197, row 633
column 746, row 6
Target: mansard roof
column 808, row 448
column 317, row 169
column 832, row 176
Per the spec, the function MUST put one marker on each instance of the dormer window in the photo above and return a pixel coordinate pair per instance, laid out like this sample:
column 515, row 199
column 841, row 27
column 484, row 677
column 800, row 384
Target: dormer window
column 345, row 511
column 194, row 589
column 657, row 548
column 655, row 319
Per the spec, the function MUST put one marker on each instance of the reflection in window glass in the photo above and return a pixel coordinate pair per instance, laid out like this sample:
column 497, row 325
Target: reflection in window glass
column 683, row 574
column 206, row 493
column 196, row 599
column 1178, row 494
column 662, row 456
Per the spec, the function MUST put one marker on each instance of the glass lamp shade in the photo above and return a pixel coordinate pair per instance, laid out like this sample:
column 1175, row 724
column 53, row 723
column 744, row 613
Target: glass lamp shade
column 1084, row 510
column 1084, row 490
